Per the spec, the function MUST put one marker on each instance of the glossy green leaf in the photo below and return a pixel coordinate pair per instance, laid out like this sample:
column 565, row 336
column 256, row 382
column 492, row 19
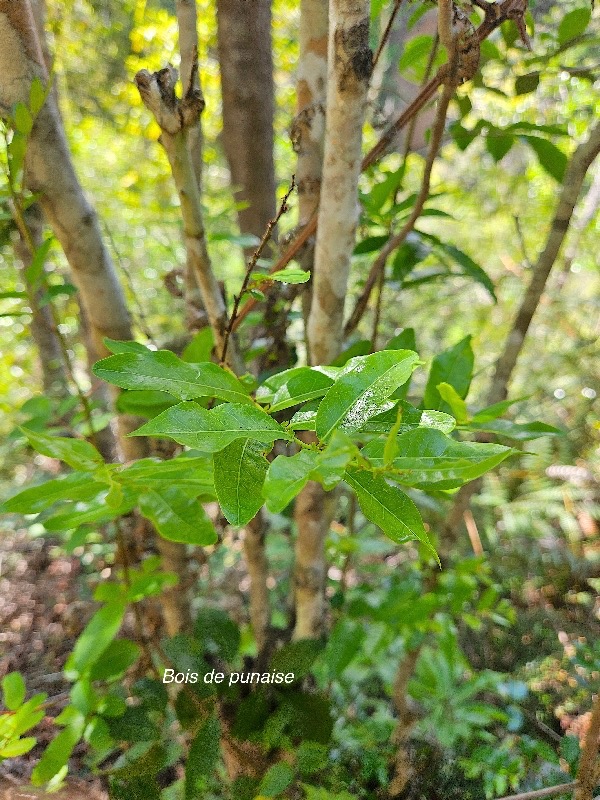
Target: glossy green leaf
column 387, row 507
column 362, row 386
column 176, row 516
column 189, row 472
column 145, row 403
column 77, row 453
column 455, row 367
column 13, row 690
column 305, row 418
column 429, row 459
column 331, row 462
column 286, row 477
column 162, row 370
column 211, row 431
column 77, row 487
column 496, row 410
column 203, row 756
column 18, row 747
column 115, row 660
column 295, row 386
column 405, row 340
column 411, row 418
column 115, row 347
column 240, row 471
column 95, row 511
column 96, row 636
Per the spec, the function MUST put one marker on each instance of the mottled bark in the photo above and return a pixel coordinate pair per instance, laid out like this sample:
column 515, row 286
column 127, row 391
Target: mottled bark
column 406, row 720
column 349, row 70
column 258, row 570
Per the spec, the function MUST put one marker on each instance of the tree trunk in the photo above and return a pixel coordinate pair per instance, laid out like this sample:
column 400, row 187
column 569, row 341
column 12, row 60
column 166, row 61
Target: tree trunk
column 246, row 62
column 350, row 64
column 49, row 172
column 348, row 73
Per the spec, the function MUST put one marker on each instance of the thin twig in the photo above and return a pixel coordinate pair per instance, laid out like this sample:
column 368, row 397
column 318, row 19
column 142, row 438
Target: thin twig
column 537, row 794
column 252, row 264
column 386, row 33
column 521, row 237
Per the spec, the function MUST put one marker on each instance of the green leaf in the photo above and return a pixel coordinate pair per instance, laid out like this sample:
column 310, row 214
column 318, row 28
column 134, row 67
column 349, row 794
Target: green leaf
column 276, row 780
column 96, row 637
column 411, row 418
column 469, row 267
column 115, row 660
column 304, row 419
column 76, row 487
column 188, row 471
column 35, row 270
column 405, row 340
column 211, row 431
column 455, row 367
column 295, row 386
column 342, row 646
column 290, row 275
column 498, row 144
column 429, row 459
column 496, row 410
column 58, row 752
column 286, row 477
column 18, row 747
column 13, row 690
column 22, row 119
column 330, row 464
column 387, row 507
column 455, row 401
column 372, row 243
column 77, row 453
column 553, row 160
column 116, row 347
column 525, row 84
column 162, row 370
column 362, row 386
column 360, row 348
column 200, row 348
column 514, row 430
column 37, row 96
column 416, row 55
column 203, row 756
column 574, row 24
column 176, row 516
column 96, row 511
column 145, row 403
column 296, row 657
column 240, row 471
column 218, row 633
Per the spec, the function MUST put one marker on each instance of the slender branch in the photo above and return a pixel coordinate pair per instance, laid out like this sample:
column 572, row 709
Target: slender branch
column 387, row 32
column 562, row 788
column 283, row 208
column 588, row 773
column 394, row 242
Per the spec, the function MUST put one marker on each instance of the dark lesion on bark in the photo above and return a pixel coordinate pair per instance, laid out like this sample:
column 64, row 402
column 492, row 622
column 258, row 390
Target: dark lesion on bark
column 353, row 54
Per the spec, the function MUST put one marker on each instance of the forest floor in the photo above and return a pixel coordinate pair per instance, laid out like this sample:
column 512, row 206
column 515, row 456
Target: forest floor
column 41, row 615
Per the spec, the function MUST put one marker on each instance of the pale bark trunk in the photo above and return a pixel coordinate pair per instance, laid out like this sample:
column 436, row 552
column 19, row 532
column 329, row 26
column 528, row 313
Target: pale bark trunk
column 258, row 570
column 349, row 69
column 588, row 773
column 51, row 174
column 350, row 64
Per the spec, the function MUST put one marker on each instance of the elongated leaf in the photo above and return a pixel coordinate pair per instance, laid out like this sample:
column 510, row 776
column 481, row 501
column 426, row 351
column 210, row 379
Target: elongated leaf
column 77, row 453
column 429, row 459
column 304, row 419
column 96, row 511
column 176, row 516
column 78, row 486
column 211, row 431
column 553, row 160
column 411, row 418
column 57, row 754
column 496, row 410
column 520, row 432
column 163, row 371
column 389, row 508
column 453, row 366
column 330, row 465
column 405, row 340
column 145, row 403
column 240, row 471
column 363, row 385
column 117, row 347
column 286, row 477
column 455, row 401
column 13, row 690
column 294, row 386
column 573, row 24
column 194, row 474
column 96, row 636
column 200, row 348
column 276, row 780
column 290, row 275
